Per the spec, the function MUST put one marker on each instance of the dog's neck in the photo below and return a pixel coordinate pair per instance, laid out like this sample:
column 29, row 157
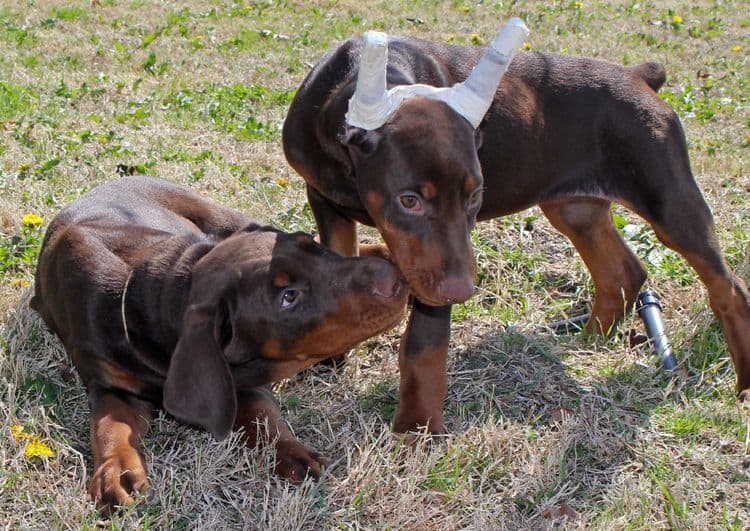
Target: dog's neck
column 155, row 296
column 122, row 306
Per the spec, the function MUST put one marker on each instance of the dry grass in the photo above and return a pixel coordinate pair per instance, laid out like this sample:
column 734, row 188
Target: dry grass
column 546, row 430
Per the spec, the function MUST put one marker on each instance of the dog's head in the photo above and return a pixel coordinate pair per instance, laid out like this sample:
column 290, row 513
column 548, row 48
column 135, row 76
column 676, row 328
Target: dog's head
column 414, row 154
column 262, row 306
column 420, row 180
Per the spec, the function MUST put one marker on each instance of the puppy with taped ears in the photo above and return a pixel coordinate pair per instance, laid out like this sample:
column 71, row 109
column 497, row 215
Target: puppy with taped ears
column 421, row 140
column 165, row 299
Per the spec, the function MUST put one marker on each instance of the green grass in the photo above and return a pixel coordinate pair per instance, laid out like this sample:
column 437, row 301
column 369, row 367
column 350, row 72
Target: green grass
column 381, row 398
column 15, row 100
column 19, row 252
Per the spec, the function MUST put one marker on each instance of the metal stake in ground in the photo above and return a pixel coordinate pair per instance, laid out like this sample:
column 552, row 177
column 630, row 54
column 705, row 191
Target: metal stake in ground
column 649, row 309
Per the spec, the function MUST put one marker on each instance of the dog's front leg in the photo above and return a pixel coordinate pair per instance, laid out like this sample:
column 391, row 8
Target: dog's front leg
column 422, row 363
column 258, row 413
column 337, row 232
column 117, row 426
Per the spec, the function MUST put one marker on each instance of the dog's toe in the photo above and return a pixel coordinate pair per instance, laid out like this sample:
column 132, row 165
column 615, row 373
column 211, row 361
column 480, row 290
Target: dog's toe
column 295, row 461
column 114, row 484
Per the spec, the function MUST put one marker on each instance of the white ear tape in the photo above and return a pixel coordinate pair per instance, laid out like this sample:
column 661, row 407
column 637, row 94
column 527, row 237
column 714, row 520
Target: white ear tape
column 372, row 105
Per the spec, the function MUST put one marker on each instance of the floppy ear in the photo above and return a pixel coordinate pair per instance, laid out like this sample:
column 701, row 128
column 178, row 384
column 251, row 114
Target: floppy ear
column 199, row 388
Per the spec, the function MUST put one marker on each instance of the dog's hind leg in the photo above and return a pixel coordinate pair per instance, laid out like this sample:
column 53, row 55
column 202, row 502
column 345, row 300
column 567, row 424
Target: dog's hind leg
column 685, row 224
column 117, row 425
column 662, row 190
column 617, row 273
column 258, row 413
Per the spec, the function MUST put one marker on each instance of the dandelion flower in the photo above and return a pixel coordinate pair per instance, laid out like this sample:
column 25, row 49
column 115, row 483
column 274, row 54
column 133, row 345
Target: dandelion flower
column 736, row 48
column 32, row 220
column 677, row 19
column 17, row 431
column 450, row 38
column 282, row 182
column 37, row 448
column 475, row 38
column 526, row 46
column 20, row 283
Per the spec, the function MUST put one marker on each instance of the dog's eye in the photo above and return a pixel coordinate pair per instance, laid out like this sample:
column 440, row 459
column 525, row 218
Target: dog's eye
column 289, row 299
column 410, row 203
column 475, row 199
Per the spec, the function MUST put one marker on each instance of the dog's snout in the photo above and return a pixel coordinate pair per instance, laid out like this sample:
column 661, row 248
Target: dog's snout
column 455, row 290
column 387, row 287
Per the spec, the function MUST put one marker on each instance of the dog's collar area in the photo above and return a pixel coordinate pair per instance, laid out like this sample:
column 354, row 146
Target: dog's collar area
column 122, row 306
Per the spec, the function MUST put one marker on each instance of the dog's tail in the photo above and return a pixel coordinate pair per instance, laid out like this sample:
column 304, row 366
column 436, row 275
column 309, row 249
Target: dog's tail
column 652, row 73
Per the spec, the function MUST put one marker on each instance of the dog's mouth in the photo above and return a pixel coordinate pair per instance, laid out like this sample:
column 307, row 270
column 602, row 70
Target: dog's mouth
column 423, row 286
column 385, row 312
column 429, row 299
column 428, row 279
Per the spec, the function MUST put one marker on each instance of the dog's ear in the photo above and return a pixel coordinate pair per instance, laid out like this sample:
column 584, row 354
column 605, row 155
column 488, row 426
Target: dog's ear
column 199, row 388
column 362, row 140
column 478, row 137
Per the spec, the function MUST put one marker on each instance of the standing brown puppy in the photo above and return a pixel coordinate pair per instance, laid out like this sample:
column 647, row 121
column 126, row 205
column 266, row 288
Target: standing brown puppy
column 387, row 142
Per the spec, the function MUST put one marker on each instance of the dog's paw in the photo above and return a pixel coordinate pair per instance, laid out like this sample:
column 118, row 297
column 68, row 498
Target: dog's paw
column 114, row 484
column 410, row 422
column 295, row 461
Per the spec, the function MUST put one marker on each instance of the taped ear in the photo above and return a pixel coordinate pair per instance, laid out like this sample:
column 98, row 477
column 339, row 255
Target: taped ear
column 199, row 388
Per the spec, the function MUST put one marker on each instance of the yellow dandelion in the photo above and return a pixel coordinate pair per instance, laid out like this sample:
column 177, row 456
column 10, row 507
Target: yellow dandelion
column 17, row 431
column 24, row 167
column 32, row 220
column 282, row 182
column 475, row 38
column 20, row 283
column 677, row 19
column 578, row 5
column 736, row 48
column 102, row 140
column 37, row 448
column 526, row 46
column 450, row 38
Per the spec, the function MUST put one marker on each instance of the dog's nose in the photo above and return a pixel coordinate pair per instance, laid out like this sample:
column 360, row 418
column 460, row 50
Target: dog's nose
column 386, row 281
column 456, row 290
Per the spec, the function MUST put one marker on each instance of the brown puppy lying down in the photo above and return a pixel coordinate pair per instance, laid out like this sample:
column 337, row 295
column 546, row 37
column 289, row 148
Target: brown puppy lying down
column 165, row 299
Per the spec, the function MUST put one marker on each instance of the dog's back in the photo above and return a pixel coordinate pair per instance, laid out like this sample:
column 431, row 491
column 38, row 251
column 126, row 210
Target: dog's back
column 149, row 204
column 93, row 243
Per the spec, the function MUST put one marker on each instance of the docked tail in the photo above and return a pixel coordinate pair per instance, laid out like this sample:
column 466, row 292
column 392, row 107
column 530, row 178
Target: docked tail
column 653, row 74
